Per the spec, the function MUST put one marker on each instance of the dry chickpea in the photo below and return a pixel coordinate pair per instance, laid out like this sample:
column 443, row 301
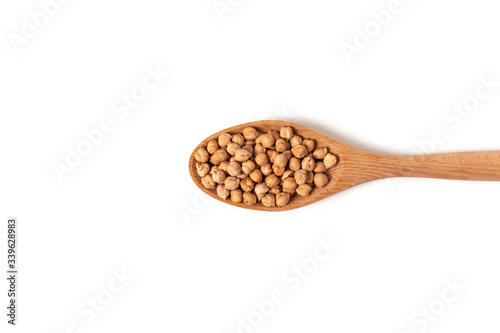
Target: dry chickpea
column 222, row 192
column 295, row 141
column 232, row 183
column 202, row 169
column 248, row 166
column 278, row 171
column 224, row 139
column 304, row 190
column 212, row 146
column 281, row 160
column 218, row 176
column 208, row 182
column 281, row 145
column 234, row 169
column 299, row 151
column 219, row 156
column 242, row 155
column 267, row 140
column 268, row 200
column 249, row 198
column 288, row 154
column 266, row 169
column 259, row 149
column 258, row 138
column 275, row 190
column 223, row 166
column 250, row 133
column 320, row 153
column 282, row 199
column 239, row 139
column 319, row 167
column 247, row 184
column 330, row 160
column 272, row 180
column 294, row 164
column 261, row 188
column 308, row 163
column 237, row 195
column 300, row 177
column 309, row 144
column 249, row 143
column 261, row 159
column 286, row 133
column 289, row 185
column 256, row 176
column 320, row 180
column 271, row 155
column 201, row 155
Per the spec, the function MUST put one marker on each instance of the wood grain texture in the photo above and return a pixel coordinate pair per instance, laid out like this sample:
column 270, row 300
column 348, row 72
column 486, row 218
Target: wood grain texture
column 357, row 166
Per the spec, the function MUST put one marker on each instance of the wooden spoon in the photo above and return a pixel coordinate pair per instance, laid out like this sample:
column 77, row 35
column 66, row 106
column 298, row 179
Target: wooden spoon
column 356, row 166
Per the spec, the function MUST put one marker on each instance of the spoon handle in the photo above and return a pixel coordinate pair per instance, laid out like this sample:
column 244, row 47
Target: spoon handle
column 481, row 165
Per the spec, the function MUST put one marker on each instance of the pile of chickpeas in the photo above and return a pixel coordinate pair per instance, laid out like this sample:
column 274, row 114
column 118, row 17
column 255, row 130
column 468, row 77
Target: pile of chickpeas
column 269, row 168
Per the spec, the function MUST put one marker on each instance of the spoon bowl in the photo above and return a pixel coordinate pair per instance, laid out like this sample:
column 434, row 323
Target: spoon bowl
column 356, row 166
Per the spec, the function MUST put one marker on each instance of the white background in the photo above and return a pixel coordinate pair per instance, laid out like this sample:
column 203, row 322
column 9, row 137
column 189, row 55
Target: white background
column 121, row 207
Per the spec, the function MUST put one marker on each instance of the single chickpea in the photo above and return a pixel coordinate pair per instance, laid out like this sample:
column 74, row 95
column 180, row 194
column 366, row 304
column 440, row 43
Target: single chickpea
column 286, row 133
column 249, row 148
column 310, row 177
column 295, row 141
column 239, row 139
column 249, row 198
column 219, row 156
column 300, row 177
column 330, row 160
column 208, row 182
column 289, row 185
column 267, row 140
column 231, row 148
column 308, row 163
column 222, row 192
column 234, row 169
column 202, row 169
column 237, row 195
column 304, row 190
column 319, row 167
column 275, row 134
column 320, row 153
column 250, row 133
column 281, row 145
column 309, row 144
column 248, row 166
column 201, row 155
column 232, row 183
column 212, row 146
column 224, row 139
column 272, row 180
column 287, row 174
column 299, row 151
column 282, row 199
column 294, row 164
column 261, row 159
column 218, row 176
column 320, row 180
column 281, row 160
column 269, row 200
column 247, row 184
column 256, row 176
column 242, row 155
